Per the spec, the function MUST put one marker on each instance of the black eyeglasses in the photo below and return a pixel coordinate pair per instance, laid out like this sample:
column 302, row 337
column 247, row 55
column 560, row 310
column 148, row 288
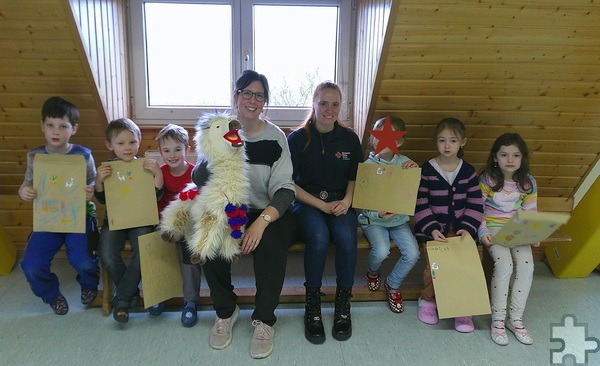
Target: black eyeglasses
column 247, row 94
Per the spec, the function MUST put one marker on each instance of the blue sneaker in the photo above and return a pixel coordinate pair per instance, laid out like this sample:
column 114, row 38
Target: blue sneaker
column 157, row 309
column 189, row 315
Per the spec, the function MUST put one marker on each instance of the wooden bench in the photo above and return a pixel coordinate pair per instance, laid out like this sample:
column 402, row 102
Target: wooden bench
column 295, row 294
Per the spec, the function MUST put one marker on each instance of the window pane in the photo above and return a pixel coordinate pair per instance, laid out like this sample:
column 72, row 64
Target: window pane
column 295, row 47
column 189, row 54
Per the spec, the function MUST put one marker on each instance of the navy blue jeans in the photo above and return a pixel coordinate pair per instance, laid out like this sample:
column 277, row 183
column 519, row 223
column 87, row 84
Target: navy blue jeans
column 317, row 229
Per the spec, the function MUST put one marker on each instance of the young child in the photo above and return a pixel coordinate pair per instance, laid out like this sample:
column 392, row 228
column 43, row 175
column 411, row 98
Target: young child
column 123, row 138
column 508, row 187
column 60, row 120
column 173, row 146
column 449, row 203
column 380, row 226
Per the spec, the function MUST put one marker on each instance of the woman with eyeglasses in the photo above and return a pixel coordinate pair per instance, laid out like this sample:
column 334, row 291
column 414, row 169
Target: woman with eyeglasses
column 325, row 156
column 271, row 228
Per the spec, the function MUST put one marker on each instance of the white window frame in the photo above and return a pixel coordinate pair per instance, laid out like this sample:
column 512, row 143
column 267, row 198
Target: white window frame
column 241, row 47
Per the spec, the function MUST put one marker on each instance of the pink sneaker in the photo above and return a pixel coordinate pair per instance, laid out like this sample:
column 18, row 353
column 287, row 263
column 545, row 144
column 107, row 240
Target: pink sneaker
column 464, row 324
column 427, row 312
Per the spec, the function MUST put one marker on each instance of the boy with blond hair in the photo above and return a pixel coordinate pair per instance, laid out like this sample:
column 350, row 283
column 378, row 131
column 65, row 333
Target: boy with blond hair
column 173, row 146
column 123, row 138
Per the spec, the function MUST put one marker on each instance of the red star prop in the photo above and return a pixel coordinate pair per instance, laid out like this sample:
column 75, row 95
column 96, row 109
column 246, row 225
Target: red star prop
column 387, row 137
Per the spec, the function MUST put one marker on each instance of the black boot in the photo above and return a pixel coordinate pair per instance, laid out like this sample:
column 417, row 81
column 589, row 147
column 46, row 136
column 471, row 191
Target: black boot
column 342, row 322
column 313, row 322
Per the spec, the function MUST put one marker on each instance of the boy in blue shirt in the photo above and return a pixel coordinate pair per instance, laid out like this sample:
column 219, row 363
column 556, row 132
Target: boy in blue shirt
column 59, row 122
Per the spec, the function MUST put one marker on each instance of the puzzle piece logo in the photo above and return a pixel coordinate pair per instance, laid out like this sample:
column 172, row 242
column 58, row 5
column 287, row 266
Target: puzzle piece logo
column 575, row 343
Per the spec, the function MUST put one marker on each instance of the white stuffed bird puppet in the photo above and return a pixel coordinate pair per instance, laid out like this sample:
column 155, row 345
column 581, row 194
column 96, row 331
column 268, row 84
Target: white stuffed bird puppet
column 212, row 215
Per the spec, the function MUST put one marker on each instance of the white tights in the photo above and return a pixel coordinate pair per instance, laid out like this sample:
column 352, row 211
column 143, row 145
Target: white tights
column 503, row 269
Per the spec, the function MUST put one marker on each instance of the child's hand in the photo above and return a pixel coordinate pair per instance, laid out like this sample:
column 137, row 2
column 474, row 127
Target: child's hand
column 103, row 171
column 462, row 233
column 487, row 240
column 27, row 193
column 385, row 215
column 89, row 192
column 438, row 236
column 409, row 164
column 152, row 165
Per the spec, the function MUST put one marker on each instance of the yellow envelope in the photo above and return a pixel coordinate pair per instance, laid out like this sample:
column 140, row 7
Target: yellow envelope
column 528, row 227
column 161, row 269
column 387, row 188
column 130, row 195
column 458, row 279
column 60, row 182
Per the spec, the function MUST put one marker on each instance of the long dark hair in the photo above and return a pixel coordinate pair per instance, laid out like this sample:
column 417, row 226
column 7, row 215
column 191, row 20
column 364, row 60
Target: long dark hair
column 521, row 176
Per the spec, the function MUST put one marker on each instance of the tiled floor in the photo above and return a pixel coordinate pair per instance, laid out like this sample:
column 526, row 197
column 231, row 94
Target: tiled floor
column 30, row 334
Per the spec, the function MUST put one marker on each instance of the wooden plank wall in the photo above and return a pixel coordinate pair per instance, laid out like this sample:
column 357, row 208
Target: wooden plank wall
column 527, row 66
column 46, row 52
column 530, row 67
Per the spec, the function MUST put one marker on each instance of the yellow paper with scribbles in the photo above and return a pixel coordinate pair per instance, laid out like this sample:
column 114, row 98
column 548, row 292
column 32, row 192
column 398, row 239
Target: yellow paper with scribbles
column 130, row 195
column 59, row 181
column 458, row 278
column 529, row 227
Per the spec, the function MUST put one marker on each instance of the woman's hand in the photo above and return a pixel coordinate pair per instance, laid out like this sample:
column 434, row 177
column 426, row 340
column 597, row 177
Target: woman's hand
column 339, row 208
column 253, row 235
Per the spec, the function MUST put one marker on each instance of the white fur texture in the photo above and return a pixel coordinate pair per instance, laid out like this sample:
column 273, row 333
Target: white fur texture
column 203, row 221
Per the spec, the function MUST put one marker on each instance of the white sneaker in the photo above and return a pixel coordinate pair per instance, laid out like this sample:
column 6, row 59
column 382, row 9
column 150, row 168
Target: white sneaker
column 262, row 340
column 220, row 334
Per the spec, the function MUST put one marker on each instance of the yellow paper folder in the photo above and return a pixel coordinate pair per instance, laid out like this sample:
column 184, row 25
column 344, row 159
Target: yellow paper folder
column 387, row 188
column 458, row 279
column 60, row 182
column 528, row 227
column 130, row 195
column 161, row 270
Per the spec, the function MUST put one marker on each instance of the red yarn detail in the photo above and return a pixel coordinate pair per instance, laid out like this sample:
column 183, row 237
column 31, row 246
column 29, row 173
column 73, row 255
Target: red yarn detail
column 189, row 195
